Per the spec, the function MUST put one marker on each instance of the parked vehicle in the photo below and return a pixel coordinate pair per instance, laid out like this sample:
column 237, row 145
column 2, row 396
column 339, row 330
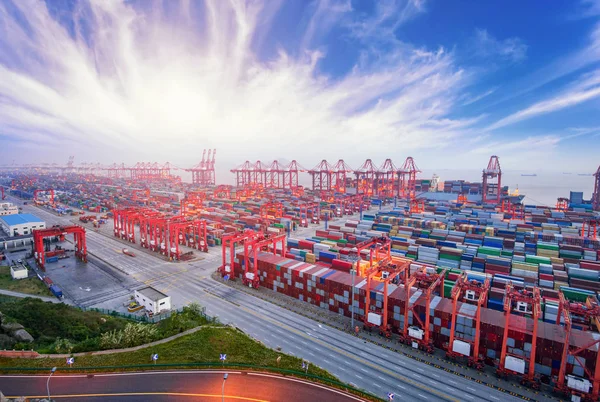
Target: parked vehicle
column 56, row 291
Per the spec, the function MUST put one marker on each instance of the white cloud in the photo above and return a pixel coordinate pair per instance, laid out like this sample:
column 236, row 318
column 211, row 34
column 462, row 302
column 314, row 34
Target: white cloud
column 487, row 46
column 151, row 88
column 584, row 90
column 469, row 99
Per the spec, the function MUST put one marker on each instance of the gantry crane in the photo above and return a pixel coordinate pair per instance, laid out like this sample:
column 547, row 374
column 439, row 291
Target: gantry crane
column 418, row 334
column 491, row 192
column 586, row 315
column 230, row 242
column 475, row 293
column 386, row 179
column 36, row 192
column 2, row 190
column 527, row 304
column 264, row 243
column 366, row 178
column 380, row 252
column 79, row 241
column 589, row 228
column 393, row 271
column 562, row 204
column 407, row 178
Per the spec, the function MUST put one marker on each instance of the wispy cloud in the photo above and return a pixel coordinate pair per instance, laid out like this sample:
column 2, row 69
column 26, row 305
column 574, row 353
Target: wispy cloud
column 588, row 88
column 132, row 82
column 469, row 99
column 485, row 45
column 388, row 17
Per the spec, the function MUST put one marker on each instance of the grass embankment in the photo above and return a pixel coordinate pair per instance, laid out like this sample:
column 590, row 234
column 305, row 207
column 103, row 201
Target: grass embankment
column 31, row 286
column 59, row 328
column 203, row 346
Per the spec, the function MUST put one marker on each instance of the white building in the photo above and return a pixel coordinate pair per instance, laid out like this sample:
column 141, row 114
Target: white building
column 21, row 224
column 153, row 300
column 8, row 208
column 18, row 272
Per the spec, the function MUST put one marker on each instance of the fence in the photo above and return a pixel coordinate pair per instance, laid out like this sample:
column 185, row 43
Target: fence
column 144, row 317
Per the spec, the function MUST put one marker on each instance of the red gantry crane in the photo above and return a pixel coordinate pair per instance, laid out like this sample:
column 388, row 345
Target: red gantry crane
column 407, row 178
column 392, row 272
column 340, row 173
column 586, row 315
column 522, row 311
column 386, row 179
column 229, row 243
column 322, row 176
column 79, row 242
column 366, row 178
column 491, row 192
column 418, row 334
column 562, row 204
column 252, row 248
column 49, row 191
column 472, row 295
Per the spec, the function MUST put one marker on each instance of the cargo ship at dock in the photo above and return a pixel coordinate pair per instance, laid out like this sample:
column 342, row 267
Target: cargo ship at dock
column 433, row 190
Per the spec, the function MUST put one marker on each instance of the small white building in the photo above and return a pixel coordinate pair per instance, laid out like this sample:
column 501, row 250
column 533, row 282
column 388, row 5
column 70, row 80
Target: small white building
column 8, row 208
column 153, row 300
column 18, row 272
column 21, row 224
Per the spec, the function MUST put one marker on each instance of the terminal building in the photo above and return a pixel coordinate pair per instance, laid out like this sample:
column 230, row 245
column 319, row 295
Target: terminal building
column 153, row 300
column 8, row 208
column 21, row 224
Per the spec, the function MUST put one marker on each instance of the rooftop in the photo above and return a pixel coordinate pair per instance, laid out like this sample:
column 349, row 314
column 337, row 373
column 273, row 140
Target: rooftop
column 20, row 219
column 152, row 293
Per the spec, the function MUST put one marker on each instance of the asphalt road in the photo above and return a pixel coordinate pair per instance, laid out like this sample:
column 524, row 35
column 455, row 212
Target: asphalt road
column 355, row 361
column 172, row 386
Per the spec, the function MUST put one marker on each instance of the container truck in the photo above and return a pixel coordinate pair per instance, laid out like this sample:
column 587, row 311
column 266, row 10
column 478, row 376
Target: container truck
column 56, row 291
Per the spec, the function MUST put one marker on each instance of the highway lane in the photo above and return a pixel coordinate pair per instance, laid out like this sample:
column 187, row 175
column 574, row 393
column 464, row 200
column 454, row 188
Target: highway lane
column 180, row 385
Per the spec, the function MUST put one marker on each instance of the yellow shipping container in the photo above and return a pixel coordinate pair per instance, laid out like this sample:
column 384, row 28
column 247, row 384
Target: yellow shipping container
column 310, row 258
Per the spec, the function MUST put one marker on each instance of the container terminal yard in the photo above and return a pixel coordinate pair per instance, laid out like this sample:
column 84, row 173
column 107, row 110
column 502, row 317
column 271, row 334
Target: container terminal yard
column 462, row 275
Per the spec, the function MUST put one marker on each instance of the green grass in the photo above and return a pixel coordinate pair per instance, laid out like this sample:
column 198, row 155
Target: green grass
column 32, row 286
column 51, row 322
column 203, row 346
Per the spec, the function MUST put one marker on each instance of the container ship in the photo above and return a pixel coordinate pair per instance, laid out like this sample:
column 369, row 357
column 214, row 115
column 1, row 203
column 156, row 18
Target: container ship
column 451, row 189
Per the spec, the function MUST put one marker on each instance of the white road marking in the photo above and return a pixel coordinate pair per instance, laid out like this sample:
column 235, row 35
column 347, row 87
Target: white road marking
column 381, row 378
column 422, row 396
column 401, row 387
column 452, row 382
column 471, row 389
column 493, row 397
column 420, row 369
column 362, row 369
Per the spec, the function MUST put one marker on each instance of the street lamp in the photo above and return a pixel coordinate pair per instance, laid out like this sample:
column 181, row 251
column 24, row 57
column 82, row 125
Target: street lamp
column 354, row 257
column 223, row 388
column 48, row 382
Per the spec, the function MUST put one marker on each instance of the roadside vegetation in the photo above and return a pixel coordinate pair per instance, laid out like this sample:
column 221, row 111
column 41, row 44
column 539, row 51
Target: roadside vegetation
column 59, row 328
column 31, row 286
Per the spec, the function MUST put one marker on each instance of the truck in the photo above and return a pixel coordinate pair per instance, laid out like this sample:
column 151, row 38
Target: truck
column 56, row 291
column 128, row 252
column 47, row 281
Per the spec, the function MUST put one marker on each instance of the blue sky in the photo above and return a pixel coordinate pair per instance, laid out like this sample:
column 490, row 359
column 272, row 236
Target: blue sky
column 447, row 82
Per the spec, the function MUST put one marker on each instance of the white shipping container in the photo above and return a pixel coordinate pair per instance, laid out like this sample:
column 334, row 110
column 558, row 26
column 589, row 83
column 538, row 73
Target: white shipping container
column 579, row 384
column 250, row 275
column 461, row 347
column 415, row 332
column 374, row 318
column 515, row 364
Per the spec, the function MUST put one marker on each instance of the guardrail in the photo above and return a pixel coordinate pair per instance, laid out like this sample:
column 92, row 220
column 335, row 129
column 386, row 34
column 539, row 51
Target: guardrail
column 210, row 365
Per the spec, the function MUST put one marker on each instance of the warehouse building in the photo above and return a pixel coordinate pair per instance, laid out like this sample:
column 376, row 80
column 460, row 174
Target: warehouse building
column 153, row 300
column 21, row 224
column 18, row 272
column 8, row 208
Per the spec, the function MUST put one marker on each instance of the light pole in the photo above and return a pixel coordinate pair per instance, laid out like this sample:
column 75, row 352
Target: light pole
column 48, row 382
column 354, row 257
column 223, row 388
